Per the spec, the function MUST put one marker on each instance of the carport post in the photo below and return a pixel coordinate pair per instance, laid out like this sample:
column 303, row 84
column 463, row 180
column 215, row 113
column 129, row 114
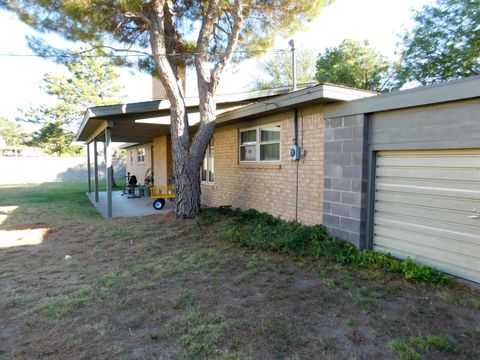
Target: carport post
column 95, row 167
column 88, row 170
column 108, row 168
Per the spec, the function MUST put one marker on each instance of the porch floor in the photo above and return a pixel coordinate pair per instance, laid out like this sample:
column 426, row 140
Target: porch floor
column 125, row 207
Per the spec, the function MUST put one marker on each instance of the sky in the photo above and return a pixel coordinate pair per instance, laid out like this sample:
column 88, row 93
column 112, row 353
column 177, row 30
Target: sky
column 379, row 21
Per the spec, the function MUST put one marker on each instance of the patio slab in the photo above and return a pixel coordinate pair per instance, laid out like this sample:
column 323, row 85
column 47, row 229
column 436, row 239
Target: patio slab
column 125, row 207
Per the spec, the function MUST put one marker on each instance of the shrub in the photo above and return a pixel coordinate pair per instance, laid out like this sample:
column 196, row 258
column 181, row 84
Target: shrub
column 262, row 231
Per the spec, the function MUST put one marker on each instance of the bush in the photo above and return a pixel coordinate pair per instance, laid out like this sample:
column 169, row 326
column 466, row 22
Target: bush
column 262, row 231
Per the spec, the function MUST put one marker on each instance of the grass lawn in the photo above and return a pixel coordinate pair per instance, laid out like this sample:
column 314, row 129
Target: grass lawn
column 156, row 288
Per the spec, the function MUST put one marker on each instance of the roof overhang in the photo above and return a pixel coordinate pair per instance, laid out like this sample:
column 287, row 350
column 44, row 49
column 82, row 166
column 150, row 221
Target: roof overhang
column 319, row 94
column 143, row 121
column 454, row 90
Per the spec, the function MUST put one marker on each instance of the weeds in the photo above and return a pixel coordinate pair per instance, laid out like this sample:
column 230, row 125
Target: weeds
column 279, row 333
column 415, row 347
column 62, row 305
column 261, row 231
column 200, row 333
column 181, row 261
column 108, row 285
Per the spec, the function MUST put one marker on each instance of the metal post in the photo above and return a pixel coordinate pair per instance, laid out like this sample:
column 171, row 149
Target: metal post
column 108, row 169
column 89, row 174
column 294, row 65
column 95, row 168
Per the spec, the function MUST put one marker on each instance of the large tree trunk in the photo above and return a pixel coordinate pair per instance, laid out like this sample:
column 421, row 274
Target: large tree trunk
column 187, row 154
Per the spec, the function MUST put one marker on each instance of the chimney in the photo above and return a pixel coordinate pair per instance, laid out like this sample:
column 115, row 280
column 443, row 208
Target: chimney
column 158, row 91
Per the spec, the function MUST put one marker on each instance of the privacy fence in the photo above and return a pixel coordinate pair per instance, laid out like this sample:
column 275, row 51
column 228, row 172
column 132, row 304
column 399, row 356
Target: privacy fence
column 25, row 170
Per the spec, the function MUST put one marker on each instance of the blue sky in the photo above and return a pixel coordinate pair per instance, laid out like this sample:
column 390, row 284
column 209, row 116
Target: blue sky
column 379, row 21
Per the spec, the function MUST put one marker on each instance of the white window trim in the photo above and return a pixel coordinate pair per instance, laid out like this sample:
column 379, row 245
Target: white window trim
column 257, row 144
column 138, row 155
column 207, row 151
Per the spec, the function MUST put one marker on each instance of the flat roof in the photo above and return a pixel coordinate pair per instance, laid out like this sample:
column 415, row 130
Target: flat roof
column 319, row 94
column 453, row 90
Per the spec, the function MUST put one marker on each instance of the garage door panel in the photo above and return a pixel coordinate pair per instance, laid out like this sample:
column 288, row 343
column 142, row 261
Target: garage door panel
column 446, row 258
column 446, row 231
column 428, row 240
column 470, row 195
column 421, row 212
column 430, row 173
column 425, row 204
column 454, row 161
column 455, row 185
column 440, row 202
column 448, row 268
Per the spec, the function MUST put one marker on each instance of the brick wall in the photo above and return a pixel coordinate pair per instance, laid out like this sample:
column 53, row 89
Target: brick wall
column 162, row 160
column 345, row 186
column 136, row 168
column 267, row 187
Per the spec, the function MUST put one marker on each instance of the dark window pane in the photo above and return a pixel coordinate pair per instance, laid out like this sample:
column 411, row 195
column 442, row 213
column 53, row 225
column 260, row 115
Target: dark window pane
column 270, row 135
column 248, row 136
column 270, row 152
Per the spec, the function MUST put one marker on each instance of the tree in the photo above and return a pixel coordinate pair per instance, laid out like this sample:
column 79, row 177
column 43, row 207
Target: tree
column 279, row 70
column 167, row 28
column 13, row 133
column 91, row 81
column 54, row 140
column 444, row 44
column 356, row 65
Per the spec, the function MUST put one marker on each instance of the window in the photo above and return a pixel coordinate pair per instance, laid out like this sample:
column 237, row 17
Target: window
column 131, row 156
column 206, row 173
column 261, row 144
column 141, row 155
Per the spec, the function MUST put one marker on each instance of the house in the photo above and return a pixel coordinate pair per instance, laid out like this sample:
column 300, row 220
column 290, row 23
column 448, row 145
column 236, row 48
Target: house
column 398, row 172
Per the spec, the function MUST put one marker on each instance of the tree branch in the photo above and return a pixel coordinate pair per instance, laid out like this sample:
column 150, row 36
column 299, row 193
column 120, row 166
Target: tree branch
column 232, row 43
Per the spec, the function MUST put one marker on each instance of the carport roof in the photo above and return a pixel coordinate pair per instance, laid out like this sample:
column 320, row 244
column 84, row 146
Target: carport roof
column 143, row 121
column 124, row 118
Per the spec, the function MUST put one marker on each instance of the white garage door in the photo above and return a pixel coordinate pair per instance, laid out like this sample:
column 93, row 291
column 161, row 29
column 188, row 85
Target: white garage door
column 427, row 207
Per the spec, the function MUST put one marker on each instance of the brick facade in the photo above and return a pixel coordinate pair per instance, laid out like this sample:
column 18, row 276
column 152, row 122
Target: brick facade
column 139, row 169
column 271, row 187
column 345, row 186
column 162, row 160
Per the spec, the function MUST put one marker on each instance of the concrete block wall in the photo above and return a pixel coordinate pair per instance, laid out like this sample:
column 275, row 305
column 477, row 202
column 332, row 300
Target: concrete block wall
column 345, row 184
column 271, row 187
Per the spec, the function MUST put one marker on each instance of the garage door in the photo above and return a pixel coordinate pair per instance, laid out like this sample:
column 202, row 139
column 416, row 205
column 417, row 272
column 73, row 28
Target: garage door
column 427, row 207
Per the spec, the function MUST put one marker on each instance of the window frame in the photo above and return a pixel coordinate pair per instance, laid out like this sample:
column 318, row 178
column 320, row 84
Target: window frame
column 258, row 131
column 141, row 157
column 210, row 159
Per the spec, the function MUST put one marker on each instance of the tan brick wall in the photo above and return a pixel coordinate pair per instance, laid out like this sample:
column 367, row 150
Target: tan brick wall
column 136, row 168
column 162, row 160
column 271, row 188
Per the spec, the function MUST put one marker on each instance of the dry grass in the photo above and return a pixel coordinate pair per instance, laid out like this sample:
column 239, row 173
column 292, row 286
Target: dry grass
column 156, row 288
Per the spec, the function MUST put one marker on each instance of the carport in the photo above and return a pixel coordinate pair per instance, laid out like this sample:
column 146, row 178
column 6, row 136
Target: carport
column 134, row 123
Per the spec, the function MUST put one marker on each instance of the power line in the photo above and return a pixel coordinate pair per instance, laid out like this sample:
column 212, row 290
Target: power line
column 69, row 54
